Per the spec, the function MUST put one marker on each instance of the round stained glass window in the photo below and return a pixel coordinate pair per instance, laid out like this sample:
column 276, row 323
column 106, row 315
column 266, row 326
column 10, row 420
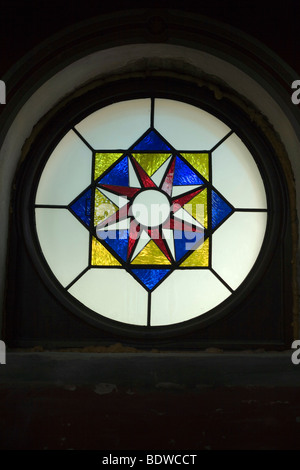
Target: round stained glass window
column 150, row 212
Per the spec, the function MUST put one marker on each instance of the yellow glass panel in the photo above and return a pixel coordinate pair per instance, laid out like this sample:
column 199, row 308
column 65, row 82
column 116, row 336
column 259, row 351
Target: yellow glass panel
column 151, row 254
column 103, row 161
column 103, row 207
column 199, row 161
column 197, row 207
column 101, row 256
column 150, row 162
column 199, row 257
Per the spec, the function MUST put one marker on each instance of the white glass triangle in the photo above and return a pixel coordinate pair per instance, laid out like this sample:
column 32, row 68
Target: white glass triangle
column 119, row 201
column 169, row 237
column 182, row 214
column 142, row 242
column 159, row 174
column 178, row 190
column 133, row 179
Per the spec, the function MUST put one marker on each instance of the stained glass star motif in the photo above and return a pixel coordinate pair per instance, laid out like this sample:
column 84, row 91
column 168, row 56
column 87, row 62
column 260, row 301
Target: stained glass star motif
column 151, row 210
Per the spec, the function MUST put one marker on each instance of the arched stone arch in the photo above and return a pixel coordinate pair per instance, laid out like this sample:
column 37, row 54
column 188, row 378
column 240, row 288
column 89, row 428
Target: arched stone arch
column 128, row 44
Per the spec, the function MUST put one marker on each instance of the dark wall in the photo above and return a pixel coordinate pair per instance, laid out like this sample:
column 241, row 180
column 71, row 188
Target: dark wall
column 24, row 24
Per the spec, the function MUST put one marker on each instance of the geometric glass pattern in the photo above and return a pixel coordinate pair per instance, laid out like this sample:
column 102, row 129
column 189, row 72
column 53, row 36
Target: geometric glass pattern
column 152, row 210
column 151, row 232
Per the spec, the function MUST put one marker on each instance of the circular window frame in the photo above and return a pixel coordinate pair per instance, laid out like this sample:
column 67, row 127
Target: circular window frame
column 78, row 106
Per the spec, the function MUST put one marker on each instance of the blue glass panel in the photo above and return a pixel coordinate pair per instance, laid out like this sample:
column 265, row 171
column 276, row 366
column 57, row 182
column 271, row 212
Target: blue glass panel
column 117, row 240
column 118, row 175
column 186, row 241
column 184, row 175
column 219, row 209
column 151, row 142
column 150, row 277
column 82, row 207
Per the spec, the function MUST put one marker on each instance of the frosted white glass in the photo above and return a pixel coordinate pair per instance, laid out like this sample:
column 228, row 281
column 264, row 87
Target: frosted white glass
column 119, row 201
column 113, row 293
column 236, row 176
column 160, row 173
column 64, row 243
column 66, row 173
column 187, row 127
column 185, row 294
column 236, row 245
column 178, row 190
column 182, row 214
column 142, row 242
column 133, row 179
column 169, row 237
column 116, row 126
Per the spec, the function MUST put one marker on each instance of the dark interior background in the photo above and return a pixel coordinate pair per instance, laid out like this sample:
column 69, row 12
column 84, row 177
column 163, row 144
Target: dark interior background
column 244, row 400
column 24, row 24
